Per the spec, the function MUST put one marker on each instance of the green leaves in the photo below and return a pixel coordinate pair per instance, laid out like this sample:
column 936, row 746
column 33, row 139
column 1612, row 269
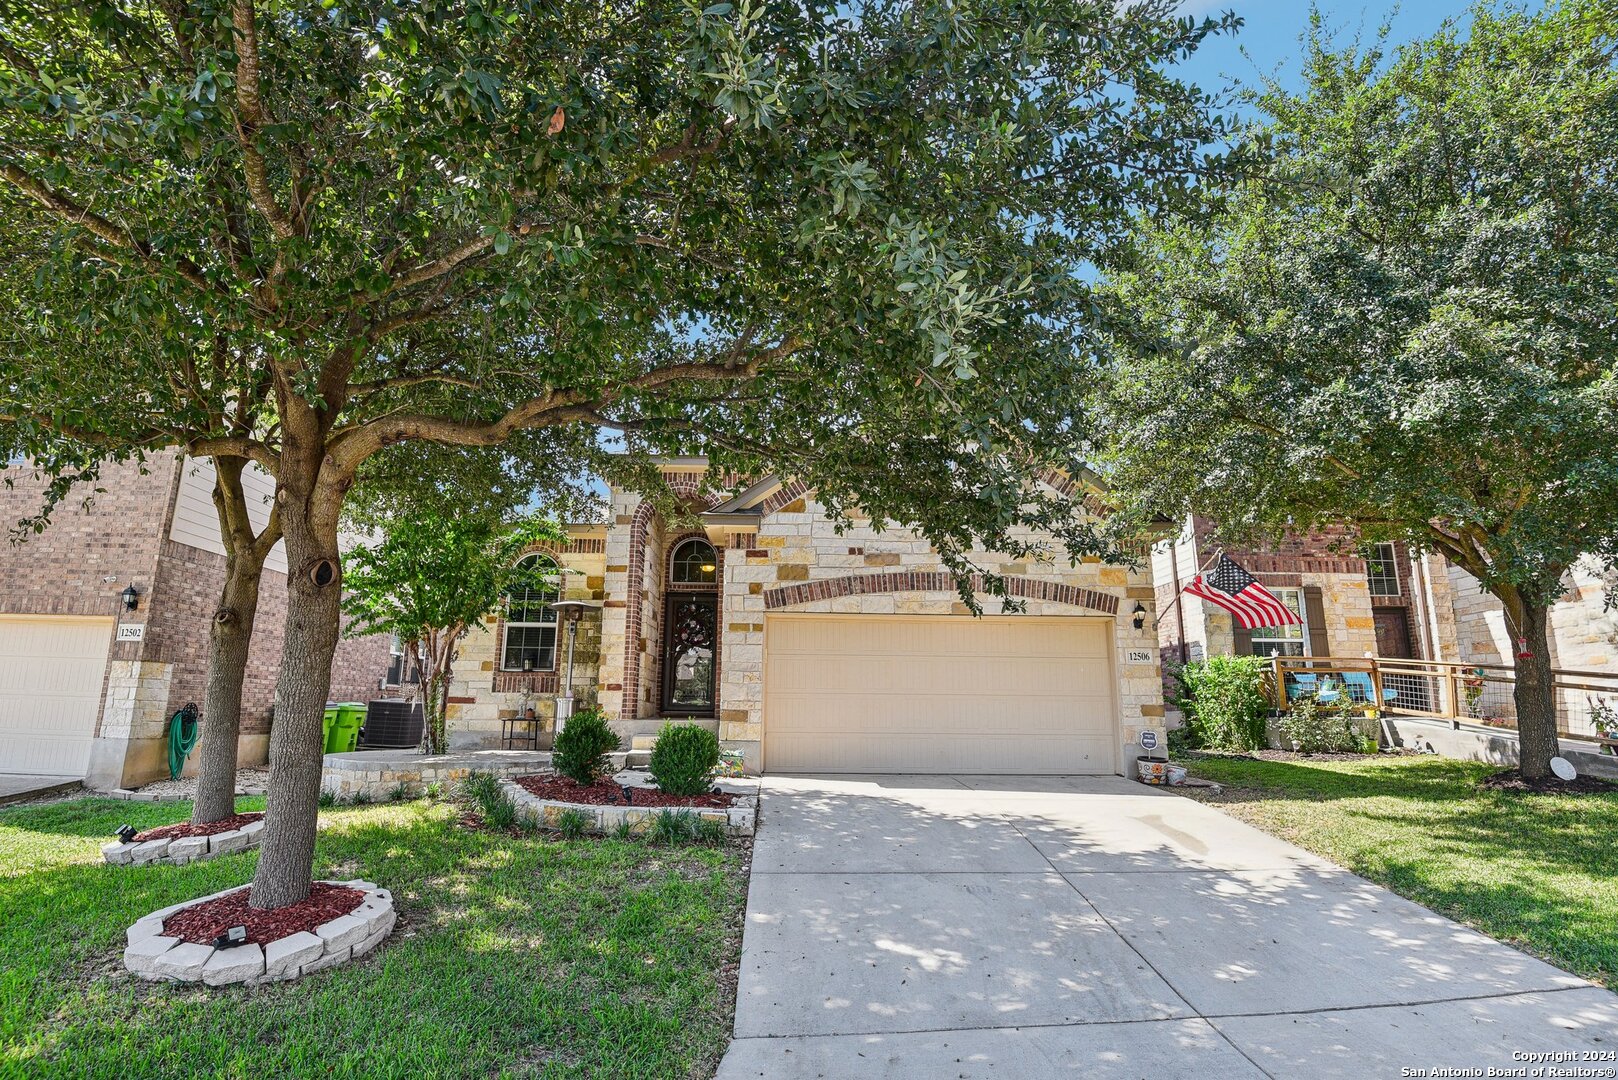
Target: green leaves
column 1407, row 325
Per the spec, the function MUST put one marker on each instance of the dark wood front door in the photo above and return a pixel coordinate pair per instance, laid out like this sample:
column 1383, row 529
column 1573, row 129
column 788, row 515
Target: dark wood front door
column 1392, row 632
column 690, row 637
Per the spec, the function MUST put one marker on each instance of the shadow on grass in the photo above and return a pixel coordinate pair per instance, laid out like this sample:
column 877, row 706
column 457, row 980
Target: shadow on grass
column 583, row 958
column 98, row 818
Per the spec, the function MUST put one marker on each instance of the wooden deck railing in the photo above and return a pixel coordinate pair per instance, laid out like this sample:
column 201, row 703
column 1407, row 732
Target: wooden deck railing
column 1469, row 693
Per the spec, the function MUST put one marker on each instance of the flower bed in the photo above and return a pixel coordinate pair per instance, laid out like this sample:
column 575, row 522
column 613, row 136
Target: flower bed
column 607, row 793
column 339, row 921
column 739, row 817
column 183, row 843
column 186, row 828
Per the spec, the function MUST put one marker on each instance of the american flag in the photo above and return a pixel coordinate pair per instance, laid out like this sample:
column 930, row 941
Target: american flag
column 1238, row 592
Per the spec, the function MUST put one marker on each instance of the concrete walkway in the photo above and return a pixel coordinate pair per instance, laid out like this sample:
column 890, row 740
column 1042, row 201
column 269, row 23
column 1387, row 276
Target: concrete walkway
column 1027, row 927
column 16, row 787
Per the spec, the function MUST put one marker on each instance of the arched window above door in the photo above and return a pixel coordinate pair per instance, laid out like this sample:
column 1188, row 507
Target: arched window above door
column 694, row 563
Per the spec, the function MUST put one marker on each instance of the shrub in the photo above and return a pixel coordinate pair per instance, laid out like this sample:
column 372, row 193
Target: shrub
column 624, row 830
column 1310, row 726
column 573, row 824
column 684, row 759
column 327, row 799
column 674, row 827
column 495, row 806
column 400, row 792
column 580, row 752
column 1225, row 702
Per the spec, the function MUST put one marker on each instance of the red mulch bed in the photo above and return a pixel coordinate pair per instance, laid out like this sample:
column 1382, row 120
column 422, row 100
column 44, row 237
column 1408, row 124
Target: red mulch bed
column 204, row 922
column 607, row 793
column 185, row 828
column 1512, row 780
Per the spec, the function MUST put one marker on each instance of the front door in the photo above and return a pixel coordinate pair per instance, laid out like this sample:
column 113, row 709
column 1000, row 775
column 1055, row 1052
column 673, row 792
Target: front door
column 690, row 637
column 1392, row 633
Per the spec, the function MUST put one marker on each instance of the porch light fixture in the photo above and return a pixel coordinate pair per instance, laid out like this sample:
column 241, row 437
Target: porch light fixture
column 1140, row 615
column 131, row 598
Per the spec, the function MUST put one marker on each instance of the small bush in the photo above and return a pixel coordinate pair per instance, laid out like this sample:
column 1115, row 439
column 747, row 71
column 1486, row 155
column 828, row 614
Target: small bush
column 624, row 830
column 684, row 759
column 361, row 798
column 433, row 791
column 327, row 800
column 400, row 792
column 495, row 806
column 674, row 827
column 581, row 750
column 1310, row 726
column 710, row 832
column 1225, row 702
column 573, row 824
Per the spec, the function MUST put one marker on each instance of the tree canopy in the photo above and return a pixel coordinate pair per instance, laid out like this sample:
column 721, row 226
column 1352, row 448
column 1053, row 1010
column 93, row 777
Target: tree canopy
column 1407, row 323
column 845, row 243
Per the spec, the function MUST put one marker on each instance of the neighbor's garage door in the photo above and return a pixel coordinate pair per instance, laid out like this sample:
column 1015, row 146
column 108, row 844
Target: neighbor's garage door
column 906, row 694
column 50, row 691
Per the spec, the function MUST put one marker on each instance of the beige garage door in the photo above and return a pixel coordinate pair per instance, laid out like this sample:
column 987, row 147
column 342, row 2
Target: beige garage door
column 50, row 691
column 906, row 694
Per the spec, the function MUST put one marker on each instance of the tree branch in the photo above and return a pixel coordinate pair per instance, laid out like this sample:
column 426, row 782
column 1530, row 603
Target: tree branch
column 250, row 118
column 70, row 211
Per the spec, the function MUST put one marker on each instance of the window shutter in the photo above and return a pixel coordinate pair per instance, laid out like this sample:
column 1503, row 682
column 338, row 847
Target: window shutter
column 1244, row 638
column 1314, row 613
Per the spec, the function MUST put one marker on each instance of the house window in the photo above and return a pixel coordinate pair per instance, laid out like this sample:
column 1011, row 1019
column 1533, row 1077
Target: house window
column 1284, row 640
column 694, row 563
column 400, row 669
column 1382, row 570
column 530, row 643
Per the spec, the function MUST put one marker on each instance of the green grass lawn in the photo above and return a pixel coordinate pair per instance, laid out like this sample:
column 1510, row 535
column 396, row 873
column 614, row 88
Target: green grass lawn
column 1539, row 871
column 512, row 957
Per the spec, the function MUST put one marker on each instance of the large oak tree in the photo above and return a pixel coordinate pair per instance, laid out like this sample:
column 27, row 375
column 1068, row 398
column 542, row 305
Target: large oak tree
column 1408, row 324
column 848, row 242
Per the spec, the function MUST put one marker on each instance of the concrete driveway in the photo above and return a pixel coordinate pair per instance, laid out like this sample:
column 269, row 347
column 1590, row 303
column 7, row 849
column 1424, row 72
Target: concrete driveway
column 978, row 926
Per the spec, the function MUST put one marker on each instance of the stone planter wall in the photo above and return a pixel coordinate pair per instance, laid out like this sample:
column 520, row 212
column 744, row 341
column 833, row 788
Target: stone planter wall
column 739, row 819
column 373, row 774
column 183, row 849
column 152, row 956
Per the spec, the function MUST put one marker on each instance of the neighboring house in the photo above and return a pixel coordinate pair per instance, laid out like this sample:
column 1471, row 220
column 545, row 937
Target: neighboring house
column 87, row 685
column 1383, row 602
column 809, row 650
column 1351, row 606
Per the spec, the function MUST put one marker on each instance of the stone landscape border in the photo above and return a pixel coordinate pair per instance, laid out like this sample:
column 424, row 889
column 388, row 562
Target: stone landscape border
column 154, row 957
column 179, row 850
column 739, row 819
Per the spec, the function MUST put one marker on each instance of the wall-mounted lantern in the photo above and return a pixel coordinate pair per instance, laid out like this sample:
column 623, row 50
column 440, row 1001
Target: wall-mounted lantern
column 131, row 598
column 1140, row 615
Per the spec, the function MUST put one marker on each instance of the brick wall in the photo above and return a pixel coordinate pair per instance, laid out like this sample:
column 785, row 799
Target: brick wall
column 81, row 564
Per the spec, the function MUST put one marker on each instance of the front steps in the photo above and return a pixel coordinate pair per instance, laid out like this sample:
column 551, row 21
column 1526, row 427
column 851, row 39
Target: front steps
column 642, row 734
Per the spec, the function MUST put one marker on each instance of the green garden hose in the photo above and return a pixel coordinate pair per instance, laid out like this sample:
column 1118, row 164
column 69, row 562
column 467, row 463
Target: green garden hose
column 182, row 737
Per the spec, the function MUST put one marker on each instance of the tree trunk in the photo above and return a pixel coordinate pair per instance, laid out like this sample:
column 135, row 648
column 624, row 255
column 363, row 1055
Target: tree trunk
column 1534, row 694
column 229, row 637
column 309, row 513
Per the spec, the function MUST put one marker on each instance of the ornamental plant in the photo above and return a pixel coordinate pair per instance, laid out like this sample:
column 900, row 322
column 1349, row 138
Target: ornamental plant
column 580, row 751
column 684, row 759
column 1225, row 702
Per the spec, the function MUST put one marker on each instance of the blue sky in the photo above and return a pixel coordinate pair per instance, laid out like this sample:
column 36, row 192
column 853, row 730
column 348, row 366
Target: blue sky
column 1272, row 27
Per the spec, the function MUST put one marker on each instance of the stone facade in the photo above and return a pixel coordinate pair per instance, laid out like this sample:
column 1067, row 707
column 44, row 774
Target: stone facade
column 781, row 552
column 1583, row 630
column 116, row 534
column 482, row 693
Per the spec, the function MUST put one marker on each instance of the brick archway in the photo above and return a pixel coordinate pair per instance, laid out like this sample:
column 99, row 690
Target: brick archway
column 1022, row 588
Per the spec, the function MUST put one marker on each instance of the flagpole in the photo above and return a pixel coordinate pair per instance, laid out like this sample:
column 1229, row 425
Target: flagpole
column 1181, row 592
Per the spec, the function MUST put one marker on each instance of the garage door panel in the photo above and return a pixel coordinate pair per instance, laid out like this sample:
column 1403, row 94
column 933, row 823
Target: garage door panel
column 872, row 693
column 51, row 673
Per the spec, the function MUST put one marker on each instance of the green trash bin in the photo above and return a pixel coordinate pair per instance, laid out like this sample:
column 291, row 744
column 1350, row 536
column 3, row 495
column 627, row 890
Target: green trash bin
column 327, row 722
column 345, row 731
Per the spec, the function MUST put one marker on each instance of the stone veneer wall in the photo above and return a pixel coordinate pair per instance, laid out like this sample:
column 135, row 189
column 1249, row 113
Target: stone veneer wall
column 1583, row 633
column 481, row 695
column 798, row 545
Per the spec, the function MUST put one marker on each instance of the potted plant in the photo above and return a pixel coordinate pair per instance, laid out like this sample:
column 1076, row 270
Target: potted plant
column 1604, row 718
